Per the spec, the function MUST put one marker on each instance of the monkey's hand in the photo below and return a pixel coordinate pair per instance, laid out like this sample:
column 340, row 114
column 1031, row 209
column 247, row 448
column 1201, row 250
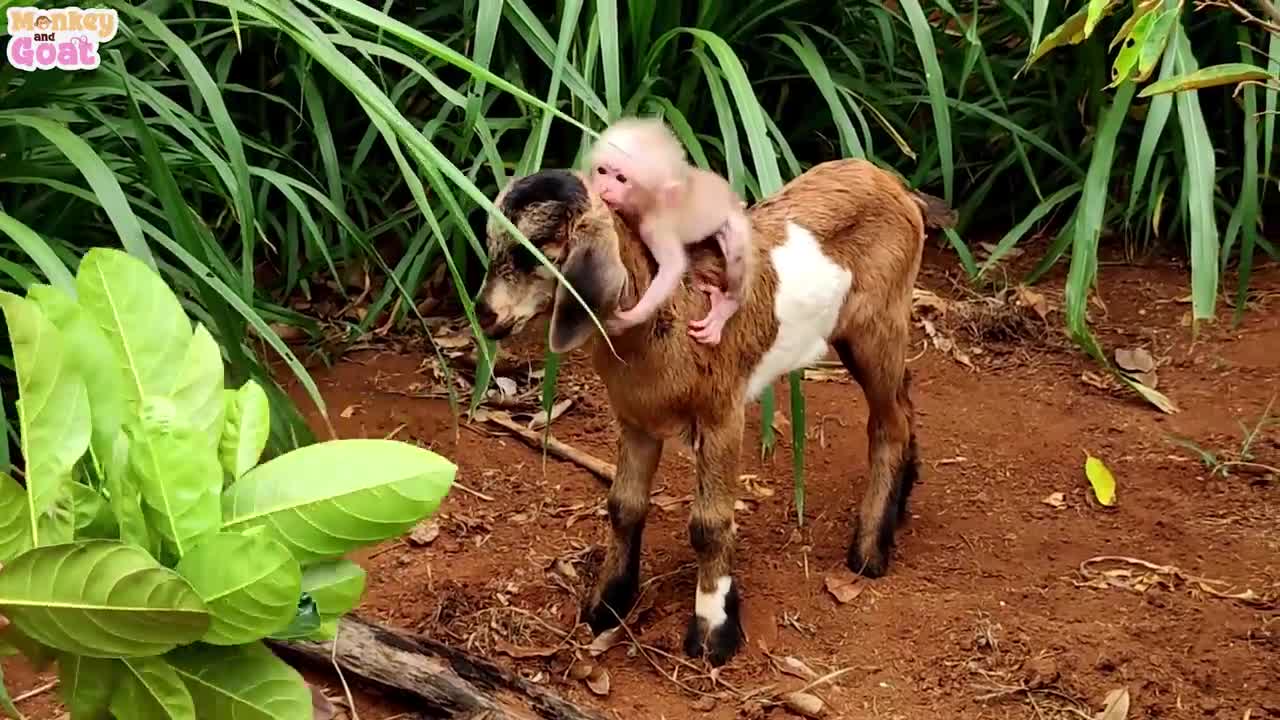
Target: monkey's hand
column 707, row 330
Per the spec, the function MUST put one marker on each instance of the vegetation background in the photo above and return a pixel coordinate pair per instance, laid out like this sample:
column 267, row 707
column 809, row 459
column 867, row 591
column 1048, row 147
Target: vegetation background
column 258, row 152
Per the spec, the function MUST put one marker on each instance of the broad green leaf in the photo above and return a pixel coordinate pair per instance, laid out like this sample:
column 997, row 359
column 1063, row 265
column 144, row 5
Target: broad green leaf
column 178, row 475
column 1131, row 50
column 245, row 682
column 197, row 396
column 1155, row 42
column 1212, row 76
column 126, row 498
column 93, row 516
column 305, row 622
column 336, row 585
column 1070, row 32
column 92, row 357
column 53, row 406
column 150, row 688
column 15, row 526
column 1096, row 10
column 1140, row 11
column 326, row 499
column 100, row 598
column 1104, row 484
column 245, row 429
column 86, row 685
column 250, row 584
column 327, row 632
column 141, row 319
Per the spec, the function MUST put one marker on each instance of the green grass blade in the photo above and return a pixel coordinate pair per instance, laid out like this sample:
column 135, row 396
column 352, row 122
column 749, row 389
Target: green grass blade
column 40, row 253
column 607, row 22
column 934, row 78
column 1269, row 107
column 1201, row 171
column 101, row 180
column 1249, row 189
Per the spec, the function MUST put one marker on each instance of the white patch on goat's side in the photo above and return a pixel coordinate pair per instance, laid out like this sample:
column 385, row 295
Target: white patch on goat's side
column 710, row 606
column 811, row 291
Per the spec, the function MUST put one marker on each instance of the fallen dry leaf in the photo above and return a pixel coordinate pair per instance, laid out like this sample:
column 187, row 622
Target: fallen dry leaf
column 797, row 668
column 454, row 341
column 348, row 411
column 844, row 588
column 804, row 704
column 565, row 568
column 598, row 681
column 606, row 641
column 1117, row 705
column 581, row 670
column 506, row 386
column 1135, row 360
column 425, row 533
column 704, row 704
column 1056, row 500
column 540, row 418
column 668, row 502
column 1032, row 299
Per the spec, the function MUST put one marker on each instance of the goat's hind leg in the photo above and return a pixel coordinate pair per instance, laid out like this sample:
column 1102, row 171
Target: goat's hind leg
column 715, row 629
column 875, row 357
column 619, row 580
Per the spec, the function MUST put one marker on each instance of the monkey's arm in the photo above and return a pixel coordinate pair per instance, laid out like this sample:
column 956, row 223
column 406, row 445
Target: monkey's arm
column 734, row 239
column 672, row 262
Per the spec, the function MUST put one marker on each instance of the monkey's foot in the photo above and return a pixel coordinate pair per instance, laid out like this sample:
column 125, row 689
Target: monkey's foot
column 708, row 329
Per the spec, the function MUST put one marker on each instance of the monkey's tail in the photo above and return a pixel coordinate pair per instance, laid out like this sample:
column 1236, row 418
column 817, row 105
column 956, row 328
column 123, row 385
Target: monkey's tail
column 937, row 214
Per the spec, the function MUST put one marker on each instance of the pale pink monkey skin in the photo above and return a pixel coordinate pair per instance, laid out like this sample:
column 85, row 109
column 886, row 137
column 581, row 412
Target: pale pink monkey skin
column 638, row 167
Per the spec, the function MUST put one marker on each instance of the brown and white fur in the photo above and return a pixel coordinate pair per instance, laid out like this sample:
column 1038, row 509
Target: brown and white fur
column 838, row 251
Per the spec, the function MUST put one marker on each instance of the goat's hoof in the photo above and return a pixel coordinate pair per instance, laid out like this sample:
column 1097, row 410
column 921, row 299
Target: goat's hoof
column 718, row 644
column 873, row 565
column 616, row 599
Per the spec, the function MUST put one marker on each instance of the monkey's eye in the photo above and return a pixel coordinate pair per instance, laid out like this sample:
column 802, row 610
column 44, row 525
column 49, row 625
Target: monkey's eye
column 622, row 179
column 600, row 170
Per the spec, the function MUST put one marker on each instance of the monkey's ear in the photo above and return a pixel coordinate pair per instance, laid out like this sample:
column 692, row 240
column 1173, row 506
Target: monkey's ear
column 598, row 281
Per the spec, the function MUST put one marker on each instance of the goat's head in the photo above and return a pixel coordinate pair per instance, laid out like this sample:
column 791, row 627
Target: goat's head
column 576, row 232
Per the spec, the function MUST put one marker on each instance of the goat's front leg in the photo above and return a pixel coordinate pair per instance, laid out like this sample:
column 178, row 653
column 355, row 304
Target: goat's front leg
column 619, row 580
column 715, row 630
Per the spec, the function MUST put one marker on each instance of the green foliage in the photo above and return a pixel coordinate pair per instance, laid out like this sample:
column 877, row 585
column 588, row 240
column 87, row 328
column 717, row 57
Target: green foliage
column 116, row 547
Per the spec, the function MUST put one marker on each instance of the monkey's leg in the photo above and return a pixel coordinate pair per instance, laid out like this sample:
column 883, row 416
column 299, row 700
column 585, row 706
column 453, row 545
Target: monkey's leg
column 732, row 238
column 672, row 263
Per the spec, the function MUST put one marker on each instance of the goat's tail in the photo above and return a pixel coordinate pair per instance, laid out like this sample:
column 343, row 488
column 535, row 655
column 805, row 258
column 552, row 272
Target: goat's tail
column 937, row 214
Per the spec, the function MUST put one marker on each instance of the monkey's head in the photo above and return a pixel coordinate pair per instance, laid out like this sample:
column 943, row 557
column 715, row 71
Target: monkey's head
column 636, row 166
column 575, row 230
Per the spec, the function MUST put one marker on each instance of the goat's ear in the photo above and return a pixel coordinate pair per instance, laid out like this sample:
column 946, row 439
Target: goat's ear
column 599, row 281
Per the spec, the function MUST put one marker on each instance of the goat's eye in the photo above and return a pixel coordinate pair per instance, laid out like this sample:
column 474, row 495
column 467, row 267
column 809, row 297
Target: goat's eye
column 522, row 259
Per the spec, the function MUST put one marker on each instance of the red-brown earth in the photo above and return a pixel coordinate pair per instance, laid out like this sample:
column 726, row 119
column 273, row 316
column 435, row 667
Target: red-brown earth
column 985, row 613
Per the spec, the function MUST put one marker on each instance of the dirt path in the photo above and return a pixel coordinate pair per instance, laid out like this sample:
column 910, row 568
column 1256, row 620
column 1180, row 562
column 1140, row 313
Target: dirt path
column 983, row 598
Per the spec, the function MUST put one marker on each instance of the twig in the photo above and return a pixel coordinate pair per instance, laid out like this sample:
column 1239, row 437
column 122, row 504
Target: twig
column 601, row 469
column 469, row 491
column 36, row 691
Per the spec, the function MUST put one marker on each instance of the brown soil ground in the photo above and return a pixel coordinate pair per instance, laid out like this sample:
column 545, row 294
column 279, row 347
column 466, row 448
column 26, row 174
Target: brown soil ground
column 986, row 611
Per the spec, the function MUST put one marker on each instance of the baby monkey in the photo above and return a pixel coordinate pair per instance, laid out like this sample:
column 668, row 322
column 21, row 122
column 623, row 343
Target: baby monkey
column 638, row 168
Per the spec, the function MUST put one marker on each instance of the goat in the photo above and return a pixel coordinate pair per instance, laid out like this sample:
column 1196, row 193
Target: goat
column 842, row 244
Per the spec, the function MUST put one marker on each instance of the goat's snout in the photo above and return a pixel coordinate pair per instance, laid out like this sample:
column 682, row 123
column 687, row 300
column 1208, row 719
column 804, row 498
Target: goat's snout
column 488, row 320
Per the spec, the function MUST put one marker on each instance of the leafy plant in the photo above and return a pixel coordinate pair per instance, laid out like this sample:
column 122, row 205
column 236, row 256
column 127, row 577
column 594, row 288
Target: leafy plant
column 146, row 550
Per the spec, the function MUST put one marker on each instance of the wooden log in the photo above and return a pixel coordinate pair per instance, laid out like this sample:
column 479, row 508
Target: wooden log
column 447, row 680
